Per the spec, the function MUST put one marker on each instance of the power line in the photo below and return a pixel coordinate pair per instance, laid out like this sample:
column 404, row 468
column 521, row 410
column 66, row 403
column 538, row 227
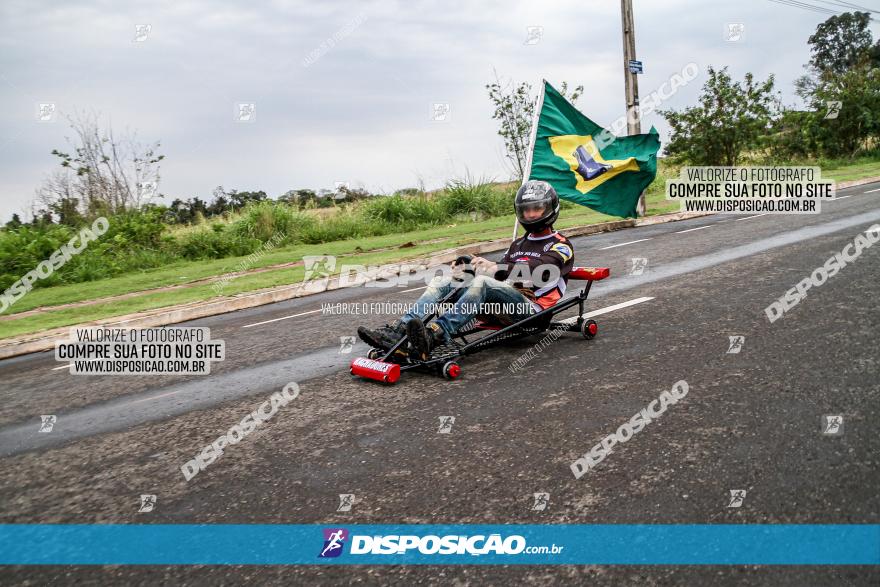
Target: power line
column 850, row 5
column 822, row 9
column 804, row 5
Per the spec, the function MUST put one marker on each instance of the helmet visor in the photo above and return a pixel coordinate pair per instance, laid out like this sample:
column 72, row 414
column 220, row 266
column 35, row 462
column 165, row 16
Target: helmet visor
column 533, row 210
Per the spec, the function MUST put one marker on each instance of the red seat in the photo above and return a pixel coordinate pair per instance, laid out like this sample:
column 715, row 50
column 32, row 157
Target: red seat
column 589, row 273
column 581, row 273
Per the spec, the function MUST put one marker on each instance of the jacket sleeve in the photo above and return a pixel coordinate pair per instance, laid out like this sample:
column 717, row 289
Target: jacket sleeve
column 560, row 254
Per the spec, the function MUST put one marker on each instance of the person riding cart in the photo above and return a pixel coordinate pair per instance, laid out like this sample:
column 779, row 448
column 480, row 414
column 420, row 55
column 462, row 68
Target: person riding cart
column 513, row 284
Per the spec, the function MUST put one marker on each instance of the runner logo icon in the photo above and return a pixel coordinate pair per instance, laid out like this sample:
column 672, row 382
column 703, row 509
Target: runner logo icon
column 334, row 540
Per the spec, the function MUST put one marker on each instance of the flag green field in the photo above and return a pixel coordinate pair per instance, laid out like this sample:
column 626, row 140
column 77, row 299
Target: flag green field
column 588, row 165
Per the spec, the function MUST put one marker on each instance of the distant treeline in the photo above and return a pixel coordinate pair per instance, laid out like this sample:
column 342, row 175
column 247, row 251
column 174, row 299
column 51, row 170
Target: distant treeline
column 148, row 237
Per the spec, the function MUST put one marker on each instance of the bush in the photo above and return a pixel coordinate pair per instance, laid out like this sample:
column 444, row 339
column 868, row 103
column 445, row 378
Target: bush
column 465, row 197
column 132, row 241
column 405, row 213
column 140, row 240
column 22, row 249
column 346, row 225
column 208, row 244
column 265, row 220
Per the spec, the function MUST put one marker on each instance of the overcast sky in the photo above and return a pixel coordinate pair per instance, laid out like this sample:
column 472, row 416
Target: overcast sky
column 360, row 111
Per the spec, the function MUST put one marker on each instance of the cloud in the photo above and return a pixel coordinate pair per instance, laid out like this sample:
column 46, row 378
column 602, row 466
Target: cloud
column 360, row 111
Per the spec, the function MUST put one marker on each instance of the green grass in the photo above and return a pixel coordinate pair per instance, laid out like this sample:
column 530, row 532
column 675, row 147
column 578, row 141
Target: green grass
column 361, row 251
column 453, row 236
column 182, row 272
column 840, row 171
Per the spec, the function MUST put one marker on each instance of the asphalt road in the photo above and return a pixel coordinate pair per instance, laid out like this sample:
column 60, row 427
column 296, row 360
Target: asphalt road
column 750, row 421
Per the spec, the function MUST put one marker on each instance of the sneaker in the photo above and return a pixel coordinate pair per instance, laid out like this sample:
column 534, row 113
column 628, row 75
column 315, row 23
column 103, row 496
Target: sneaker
column 384, row 337
column 422, row 339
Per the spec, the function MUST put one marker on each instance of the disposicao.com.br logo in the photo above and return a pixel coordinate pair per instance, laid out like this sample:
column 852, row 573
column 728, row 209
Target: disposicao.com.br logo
column 454, row 544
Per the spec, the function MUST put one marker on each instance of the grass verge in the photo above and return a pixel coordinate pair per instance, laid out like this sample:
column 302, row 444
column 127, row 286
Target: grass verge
column 367, row 251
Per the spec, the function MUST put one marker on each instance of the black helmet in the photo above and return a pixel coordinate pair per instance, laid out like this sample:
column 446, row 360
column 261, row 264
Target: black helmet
column 536, row 194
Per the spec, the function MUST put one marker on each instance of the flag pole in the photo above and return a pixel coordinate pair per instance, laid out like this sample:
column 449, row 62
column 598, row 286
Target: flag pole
column 536, row 115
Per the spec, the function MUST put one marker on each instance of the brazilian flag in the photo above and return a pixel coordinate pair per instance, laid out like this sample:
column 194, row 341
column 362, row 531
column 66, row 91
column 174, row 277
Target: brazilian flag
column 587, row 164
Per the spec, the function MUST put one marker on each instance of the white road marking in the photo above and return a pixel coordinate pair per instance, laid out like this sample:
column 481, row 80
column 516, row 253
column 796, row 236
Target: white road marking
column 571, row 320
column 624, row 244
column 146, row 399
column 738, row 252
column 755, row 216
column 607, row 309
column 311, row 312
column 282, row 318
column 270, row 321
column 868, row 192
column 693, row 229
column 843, row 197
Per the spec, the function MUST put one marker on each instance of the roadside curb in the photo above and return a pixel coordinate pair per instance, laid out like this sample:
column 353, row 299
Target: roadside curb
column 46, row 340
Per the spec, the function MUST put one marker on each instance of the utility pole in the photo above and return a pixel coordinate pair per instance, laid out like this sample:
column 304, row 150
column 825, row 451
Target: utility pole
column 631, row 82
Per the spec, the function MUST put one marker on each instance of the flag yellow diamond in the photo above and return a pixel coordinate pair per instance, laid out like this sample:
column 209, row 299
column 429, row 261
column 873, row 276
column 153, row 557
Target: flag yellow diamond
column 566, row 146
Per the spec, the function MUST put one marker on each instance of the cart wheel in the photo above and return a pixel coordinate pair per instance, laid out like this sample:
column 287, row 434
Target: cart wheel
column 374, row 354
column 451, row 370
column 589, row 328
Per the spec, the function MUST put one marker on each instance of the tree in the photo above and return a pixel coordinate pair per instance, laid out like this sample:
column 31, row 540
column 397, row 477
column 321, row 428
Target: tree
column 218, row 206
column 178, row 212
column 858, row 120
column 409, row 192
column 191, row 211
column 288, row 197
column 14, row 223
column 102, row 172
column 349, row 194
column 730, row 118
column 299, row 198
column 514, row 109
column 197, row 206
column 841, row 42
column 241, row 199
column 844, row 68
column 43, row 219
column 67, row 210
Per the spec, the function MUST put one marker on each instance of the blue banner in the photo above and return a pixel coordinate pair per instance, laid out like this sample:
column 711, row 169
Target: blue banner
column 267, row 544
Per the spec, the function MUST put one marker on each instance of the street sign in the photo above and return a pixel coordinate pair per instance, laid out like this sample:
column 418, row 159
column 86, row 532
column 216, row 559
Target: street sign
column 635, row 66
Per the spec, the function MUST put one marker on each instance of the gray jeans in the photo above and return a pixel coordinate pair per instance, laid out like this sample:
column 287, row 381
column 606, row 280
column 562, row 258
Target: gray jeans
column 469, row 301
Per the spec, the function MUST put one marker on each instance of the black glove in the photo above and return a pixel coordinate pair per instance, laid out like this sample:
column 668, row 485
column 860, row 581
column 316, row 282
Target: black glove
column 466, row 261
